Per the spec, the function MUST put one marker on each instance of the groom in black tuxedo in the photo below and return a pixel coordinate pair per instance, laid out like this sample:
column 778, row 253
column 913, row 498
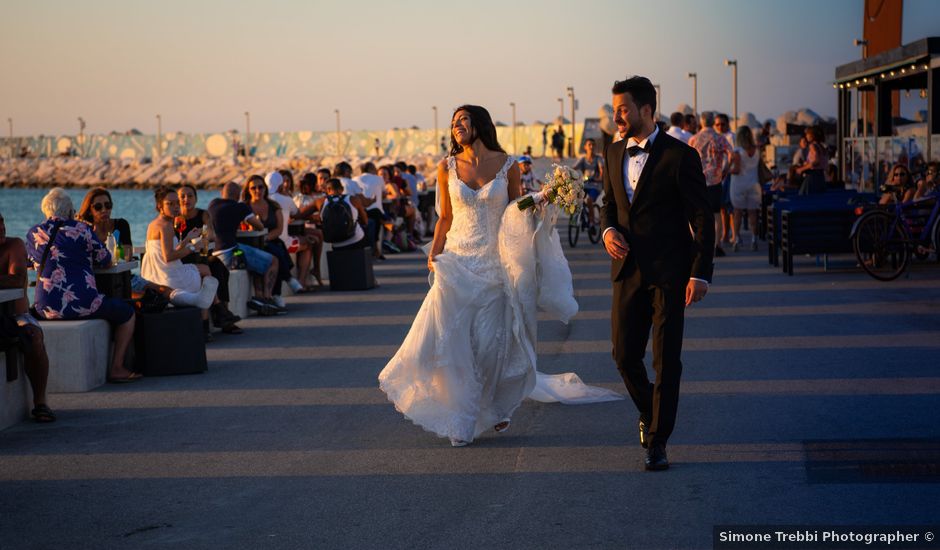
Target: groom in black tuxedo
column 654, row 193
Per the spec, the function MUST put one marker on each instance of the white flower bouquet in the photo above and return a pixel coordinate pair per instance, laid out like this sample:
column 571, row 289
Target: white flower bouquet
column 564, row 189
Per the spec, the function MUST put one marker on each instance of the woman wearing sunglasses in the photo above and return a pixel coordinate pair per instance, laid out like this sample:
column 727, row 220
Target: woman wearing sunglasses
column 899, row 177
column 96, row 211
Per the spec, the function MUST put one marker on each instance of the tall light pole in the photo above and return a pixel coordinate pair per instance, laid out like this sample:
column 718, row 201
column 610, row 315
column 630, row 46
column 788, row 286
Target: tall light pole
column 247, row 134
column 81, row 134
column 515, row 151
column 336, row 111
column 694, row 77
column 436, row 138
column 733, row 63
column 571, row 152
column 10, row 123
column 859, row 97
column 159, row 137
column 659, row 95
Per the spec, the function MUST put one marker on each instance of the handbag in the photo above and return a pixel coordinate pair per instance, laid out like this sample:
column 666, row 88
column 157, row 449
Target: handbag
column 151, row 302
column 42, row 265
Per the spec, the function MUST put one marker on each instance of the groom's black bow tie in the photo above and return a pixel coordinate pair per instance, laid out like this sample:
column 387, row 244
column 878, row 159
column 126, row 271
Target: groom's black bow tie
column 635, row 150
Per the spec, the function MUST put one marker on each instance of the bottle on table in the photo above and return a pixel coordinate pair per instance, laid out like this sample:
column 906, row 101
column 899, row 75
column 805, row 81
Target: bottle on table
column 111, row 244
column 205, row 242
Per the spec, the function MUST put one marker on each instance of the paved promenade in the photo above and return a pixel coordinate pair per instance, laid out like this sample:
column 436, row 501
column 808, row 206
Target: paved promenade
column 812, row 399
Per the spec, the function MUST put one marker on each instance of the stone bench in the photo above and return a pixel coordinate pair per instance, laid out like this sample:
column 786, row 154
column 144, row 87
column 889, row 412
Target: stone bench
column 79, row 353
column 16, row 396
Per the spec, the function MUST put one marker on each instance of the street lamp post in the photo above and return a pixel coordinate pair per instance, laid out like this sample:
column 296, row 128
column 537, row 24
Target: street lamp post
column 573, row 105
column 515, row 151
column 436, row 139
column 694, row 77
column 159, row 137
column 247, row 134
column 81, row 134
column 659, row 95
column 336, row 111
column 861, row 97
column 733, row 63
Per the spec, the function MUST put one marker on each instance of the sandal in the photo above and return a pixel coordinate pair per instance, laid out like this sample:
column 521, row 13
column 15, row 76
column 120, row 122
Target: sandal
column 133, row 377
column 232, row 329
column 43, row 414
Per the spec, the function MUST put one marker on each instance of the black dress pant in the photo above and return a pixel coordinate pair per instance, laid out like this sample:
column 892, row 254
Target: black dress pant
column 638, row 309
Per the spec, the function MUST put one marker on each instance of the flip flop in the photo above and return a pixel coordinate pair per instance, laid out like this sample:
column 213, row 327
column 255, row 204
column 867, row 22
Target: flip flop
column 133, row 377
column 43, row 414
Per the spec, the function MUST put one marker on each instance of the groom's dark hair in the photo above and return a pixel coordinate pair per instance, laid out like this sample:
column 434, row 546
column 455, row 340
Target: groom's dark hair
column 482, row 125
column 640, row 89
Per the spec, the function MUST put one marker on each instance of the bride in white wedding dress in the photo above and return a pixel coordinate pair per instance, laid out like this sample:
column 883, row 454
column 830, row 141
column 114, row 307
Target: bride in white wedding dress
column 469, row 358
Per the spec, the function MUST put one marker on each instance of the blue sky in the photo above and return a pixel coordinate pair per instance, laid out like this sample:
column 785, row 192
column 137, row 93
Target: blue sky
column 202, row 63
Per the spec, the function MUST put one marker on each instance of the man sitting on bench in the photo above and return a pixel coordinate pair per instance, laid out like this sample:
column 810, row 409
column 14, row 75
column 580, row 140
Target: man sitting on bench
column 36, row 362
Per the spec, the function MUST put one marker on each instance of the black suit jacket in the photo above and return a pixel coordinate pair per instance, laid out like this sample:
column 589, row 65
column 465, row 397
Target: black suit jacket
column 669, row 198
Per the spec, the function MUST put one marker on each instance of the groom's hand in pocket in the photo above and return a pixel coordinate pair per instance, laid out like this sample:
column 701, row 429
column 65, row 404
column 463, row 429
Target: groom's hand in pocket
column 615, row 244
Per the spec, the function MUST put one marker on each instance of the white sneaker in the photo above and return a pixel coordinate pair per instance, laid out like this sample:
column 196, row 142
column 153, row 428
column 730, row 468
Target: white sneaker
column 279, row 301
column 295, row 285
column 207, row 292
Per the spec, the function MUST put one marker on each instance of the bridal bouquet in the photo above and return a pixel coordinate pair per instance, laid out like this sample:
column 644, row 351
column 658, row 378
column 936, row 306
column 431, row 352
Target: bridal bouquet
column 564, row 189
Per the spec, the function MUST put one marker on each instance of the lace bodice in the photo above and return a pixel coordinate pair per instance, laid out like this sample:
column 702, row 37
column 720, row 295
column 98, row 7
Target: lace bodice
column 477, row 214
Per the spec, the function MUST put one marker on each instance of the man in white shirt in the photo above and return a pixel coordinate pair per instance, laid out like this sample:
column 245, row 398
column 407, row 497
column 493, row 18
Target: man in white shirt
column 676, row 121
column 373, row 187
column 343, row 172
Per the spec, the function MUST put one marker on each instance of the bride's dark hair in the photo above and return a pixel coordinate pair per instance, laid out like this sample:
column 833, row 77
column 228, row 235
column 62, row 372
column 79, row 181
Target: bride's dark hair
column 482, row 125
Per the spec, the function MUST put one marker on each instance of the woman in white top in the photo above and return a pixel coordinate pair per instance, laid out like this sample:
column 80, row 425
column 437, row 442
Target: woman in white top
column 745, row 186
column 192, row 284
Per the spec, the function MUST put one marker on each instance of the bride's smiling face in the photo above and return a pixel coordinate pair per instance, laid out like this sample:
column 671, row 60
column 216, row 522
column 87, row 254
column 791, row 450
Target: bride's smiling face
column 462, row 129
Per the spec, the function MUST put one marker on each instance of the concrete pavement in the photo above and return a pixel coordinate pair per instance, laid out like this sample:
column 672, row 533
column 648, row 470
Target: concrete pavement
column 810, row 399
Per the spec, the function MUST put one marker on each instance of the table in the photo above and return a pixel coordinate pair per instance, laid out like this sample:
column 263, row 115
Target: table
column 252, row 238
column 115, row 281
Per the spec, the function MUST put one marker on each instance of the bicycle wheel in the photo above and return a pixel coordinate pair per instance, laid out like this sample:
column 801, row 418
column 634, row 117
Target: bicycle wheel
column 881, row 246
column 594, row 229
column 574, row 229
column 935, row 239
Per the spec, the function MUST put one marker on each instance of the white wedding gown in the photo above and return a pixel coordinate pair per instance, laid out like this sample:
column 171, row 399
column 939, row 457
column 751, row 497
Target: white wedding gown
column 469, row 358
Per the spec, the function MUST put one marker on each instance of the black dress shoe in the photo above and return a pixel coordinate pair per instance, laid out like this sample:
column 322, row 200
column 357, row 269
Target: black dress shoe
column 644, row 434
column 656, row 458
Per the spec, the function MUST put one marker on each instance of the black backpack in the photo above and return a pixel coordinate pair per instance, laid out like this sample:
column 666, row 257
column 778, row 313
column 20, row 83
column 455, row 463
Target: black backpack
column 338, row 223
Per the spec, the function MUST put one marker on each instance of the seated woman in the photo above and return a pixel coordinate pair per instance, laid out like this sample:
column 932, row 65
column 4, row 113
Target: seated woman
column 900, row 178
column 96, row 210
column 255, row 194
column 928, row 184
column 65, row 252
column 308, row 202
column 24, row 327
column 191, row 218
column 192, row 285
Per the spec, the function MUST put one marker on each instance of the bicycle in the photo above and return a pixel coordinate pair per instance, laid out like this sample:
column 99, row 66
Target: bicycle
column 883, row 241
column 581, row 221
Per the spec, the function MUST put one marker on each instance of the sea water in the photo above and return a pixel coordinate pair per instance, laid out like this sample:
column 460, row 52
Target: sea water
column 20, row 208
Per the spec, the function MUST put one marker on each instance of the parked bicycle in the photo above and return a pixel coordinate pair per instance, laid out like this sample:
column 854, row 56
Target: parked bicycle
column 884, row 241
column 583, row 220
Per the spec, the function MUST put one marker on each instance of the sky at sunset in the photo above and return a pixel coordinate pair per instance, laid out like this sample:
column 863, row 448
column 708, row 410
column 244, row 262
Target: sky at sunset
column 202, row 63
